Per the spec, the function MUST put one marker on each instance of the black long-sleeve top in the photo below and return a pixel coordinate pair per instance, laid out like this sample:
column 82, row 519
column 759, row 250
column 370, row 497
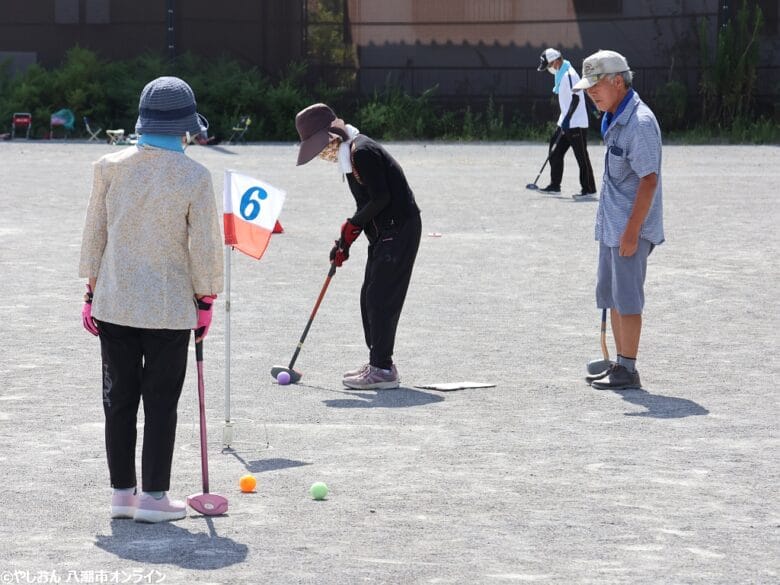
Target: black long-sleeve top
column 380, row 189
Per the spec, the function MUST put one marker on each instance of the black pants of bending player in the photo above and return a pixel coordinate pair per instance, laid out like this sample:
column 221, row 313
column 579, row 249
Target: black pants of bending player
column 577, row 139
column 388, row 272
column 148, row 364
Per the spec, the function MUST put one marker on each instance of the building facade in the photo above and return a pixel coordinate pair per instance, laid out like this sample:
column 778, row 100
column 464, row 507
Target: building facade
column 470, row 49
column 265, row 33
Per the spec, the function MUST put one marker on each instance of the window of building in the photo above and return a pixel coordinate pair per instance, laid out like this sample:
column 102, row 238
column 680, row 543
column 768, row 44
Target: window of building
column 582, row 7
column 97, row 12
column 66, row 11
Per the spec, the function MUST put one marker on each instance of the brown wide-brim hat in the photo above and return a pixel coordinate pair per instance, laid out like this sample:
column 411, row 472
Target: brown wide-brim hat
column 317, row 125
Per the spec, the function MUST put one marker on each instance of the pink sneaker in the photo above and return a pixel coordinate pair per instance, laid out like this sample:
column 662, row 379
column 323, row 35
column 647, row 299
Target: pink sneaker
column 153, row 510
column 374, row 379
column 123, row 505
column 356, row 372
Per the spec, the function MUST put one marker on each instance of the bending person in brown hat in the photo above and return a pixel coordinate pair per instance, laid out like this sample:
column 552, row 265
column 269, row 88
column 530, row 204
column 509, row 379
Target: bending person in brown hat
column 388, row 214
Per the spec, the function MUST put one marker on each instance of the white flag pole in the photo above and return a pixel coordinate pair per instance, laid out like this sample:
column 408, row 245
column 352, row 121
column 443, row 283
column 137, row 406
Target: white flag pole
column 227, row 431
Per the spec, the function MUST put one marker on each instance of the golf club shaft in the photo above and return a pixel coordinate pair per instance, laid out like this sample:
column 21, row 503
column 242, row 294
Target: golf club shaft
column 604, row 350
column 554, row 146
column 331, row 272
column 204, row 463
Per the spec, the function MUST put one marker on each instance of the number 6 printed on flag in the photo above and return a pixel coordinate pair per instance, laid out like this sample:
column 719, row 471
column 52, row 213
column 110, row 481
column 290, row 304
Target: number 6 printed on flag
column 252, row 207
column 250, row 202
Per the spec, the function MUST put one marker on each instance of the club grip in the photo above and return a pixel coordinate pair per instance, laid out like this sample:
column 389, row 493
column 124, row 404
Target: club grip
column 199, row 351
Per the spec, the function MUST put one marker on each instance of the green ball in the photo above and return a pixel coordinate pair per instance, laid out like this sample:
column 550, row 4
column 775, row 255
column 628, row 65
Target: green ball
column 318, row 490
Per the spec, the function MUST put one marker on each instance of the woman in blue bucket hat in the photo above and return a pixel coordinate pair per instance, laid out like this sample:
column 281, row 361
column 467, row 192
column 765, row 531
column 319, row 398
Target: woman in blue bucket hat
column 152, row 254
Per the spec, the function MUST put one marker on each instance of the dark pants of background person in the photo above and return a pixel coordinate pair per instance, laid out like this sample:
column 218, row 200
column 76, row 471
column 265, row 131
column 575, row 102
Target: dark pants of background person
column 577, row 138
column 388, row 272
column 149, row 364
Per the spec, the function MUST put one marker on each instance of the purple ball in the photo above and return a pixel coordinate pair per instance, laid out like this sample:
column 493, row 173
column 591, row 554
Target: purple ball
column 283, row 378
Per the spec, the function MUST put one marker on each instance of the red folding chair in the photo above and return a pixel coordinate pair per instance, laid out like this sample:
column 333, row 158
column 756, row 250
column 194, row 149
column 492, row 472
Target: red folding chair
column 21, row 121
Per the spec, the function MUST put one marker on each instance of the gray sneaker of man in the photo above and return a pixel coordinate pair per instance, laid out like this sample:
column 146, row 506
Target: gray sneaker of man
column 619, row 378
column 590, row 378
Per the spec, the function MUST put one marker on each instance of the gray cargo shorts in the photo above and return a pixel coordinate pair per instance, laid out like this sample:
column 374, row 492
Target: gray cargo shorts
column 620, row 281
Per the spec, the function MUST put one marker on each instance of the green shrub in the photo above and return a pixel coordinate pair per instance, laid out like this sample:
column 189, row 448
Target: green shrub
column 395, row 115
column 728, row 79
column 108, row 93
column 741, row 131
column 671, row 100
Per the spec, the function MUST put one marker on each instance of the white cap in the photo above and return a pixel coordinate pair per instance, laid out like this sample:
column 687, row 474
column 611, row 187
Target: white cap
column 599, row 64
column 547, row 57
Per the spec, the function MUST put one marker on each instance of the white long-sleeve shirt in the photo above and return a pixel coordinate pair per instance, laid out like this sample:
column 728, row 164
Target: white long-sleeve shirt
column 579, row 119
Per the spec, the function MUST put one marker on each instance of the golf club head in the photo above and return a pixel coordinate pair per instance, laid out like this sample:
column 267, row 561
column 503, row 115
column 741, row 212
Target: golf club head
column 208, row 504
column 294, row 376
column 532, row 186
column 598, row 366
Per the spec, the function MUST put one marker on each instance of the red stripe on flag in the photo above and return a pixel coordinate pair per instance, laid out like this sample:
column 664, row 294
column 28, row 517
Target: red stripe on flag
column 246, row 237
column 229, row 229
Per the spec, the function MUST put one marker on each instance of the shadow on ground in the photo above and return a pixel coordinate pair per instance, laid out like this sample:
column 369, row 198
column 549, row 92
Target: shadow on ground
column 167, row 543
column 395, row 398
column 659, row 406
column 261, row 465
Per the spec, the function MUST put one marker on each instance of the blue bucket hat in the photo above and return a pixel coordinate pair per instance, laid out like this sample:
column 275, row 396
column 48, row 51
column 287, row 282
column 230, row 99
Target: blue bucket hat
column 168, row 107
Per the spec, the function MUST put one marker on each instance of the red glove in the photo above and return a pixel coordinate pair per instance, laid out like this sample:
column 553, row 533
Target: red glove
column 339, row 254
column 349, row 233
column 86, row 313
column 205, row 304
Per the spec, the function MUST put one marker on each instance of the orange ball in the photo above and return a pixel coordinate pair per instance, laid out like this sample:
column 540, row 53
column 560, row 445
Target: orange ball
column 247, row 483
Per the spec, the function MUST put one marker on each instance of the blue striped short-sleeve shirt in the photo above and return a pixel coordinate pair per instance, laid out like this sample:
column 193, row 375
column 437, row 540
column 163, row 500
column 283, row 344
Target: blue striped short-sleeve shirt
column 633, row 144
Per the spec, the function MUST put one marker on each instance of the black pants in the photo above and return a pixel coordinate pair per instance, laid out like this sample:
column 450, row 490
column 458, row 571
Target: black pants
column 388, row 272
column 577, row 138
column 148, row 363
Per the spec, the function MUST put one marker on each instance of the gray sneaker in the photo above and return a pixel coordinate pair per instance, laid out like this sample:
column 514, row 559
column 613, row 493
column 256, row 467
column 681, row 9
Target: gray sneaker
column 619, row 378
column 356, row 372
column 590, row 378
column 373, row 378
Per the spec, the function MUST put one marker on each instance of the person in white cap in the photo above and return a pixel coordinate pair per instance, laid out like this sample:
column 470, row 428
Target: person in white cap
column 629, row 219
column 152, row 253
column 572, row 128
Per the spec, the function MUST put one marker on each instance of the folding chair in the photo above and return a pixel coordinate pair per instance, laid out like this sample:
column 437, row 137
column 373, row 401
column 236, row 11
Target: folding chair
column 116, row 136
column 240, row 129
column 21, row 121
column 93, row 134
column 64, row 118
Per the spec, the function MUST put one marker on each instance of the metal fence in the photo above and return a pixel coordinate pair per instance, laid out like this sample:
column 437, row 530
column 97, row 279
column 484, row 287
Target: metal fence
column 506, row 73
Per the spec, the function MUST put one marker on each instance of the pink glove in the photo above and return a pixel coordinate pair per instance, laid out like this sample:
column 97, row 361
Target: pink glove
column 205, row 305
column 86, row 313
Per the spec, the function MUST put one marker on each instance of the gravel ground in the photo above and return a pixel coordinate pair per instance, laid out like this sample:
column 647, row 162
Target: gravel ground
column 539, row 479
